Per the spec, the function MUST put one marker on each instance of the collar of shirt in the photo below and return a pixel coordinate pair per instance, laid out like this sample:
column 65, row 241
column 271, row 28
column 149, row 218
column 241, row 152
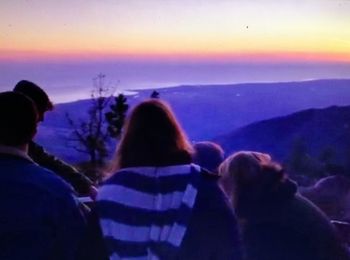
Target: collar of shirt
column 4, row 149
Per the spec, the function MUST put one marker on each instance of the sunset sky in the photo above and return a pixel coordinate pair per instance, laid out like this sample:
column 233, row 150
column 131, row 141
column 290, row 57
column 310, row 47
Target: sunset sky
column 193, row 30
column 63, row 44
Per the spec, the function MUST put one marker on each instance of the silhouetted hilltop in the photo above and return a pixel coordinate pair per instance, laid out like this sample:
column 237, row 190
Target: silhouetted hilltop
column 316, row 130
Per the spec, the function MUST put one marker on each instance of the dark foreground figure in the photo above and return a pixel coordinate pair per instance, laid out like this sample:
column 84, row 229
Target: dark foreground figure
column 39, row 217
column 82, row 185
column 277, row 223
column 158, row 205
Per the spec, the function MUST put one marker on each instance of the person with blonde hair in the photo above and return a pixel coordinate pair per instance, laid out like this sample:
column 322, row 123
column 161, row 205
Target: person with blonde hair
column 276, row 221
column 157, row 204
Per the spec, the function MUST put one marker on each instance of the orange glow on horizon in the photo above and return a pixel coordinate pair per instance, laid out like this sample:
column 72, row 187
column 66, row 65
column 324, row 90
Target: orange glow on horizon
column 255, row 57
column 212, row 31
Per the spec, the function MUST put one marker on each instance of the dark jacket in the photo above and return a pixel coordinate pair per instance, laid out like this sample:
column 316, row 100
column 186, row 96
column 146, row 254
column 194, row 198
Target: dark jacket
column 211, row 234
column 80, row 182
column 279, row 224
column 213, row 231
column 39, row 216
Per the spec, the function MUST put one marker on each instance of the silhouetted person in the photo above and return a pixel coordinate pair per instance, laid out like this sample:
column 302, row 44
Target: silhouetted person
column 80, row 182
column 208, row 155
column 277, row 223
column 39, row 217
column 158, row 205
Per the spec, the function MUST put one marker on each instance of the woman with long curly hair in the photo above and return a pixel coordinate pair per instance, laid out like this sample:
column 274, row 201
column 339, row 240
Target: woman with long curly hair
column 277, row 223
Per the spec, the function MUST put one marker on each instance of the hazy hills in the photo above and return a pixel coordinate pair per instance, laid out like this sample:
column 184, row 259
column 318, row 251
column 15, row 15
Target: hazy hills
column 210, row 111
column 317, row 129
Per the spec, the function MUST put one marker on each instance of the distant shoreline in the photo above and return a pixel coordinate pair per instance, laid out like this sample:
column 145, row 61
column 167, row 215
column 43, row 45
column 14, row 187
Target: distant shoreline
column 66, row 82
column 133, row 92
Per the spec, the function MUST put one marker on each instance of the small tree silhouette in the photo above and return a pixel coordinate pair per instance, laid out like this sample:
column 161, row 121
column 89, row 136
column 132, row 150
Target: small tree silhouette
column 155, row 94
column 91, row 136
column 116, row 117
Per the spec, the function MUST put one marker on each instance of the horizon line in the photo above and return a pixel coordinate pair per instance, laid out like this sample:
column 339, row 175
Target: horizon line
column 18, row 56
column 135, row 91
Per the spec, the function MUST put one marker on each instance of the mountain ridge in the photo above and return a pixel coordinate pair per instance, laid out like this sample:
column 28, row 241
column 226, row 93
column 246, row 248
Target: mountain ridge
column 318, row 129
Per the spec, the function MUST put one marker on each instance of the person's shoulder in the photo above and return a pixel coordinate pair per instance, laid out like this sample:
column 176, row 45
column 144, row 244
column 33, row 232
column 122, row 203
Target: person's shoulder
column 302, row 204
column 34, row 148
column 209, row 176
column 116, row 177
column 208, row 181
column 47, row 181
column 209, row 190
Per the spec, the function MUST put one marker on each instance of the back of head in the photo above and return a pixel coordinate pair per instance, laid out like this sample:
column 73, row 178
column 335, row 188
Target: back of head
column 208, row 155
column 152, row 137
column 250, row 173
column 244, row 166
column 35, row 93
column 18, row 117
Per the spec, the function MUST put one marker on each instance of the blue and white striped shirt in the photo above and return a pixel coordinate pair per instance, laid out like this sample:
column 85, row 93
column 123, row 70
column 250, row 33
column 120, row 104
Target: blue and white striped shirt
column 144, row 211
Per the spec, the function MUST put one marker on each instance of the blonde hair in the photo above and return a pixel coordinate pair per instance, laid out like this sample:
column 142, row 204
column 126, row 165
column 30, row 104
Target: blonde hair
column 242, row 169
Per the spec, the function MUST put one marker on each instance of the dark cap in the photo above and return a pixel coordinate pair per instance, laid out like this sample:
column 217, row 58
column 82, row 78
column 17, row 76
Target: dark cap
column 37, row 94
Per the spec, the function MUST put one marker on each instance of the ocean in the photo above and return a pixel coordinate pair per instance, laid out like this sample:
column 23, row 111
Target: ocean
column 70, row 81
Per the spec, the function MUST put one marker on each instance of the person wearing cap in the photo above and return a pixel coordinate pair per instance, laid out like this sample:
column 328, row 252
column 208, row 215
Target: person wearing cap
column 82, row 184
column 39, row 216
column 276, row 221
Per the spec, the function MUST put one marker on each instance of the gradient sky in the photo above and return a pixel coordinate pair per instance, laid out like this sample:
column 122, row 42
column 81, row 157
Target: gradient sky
column 268, row 30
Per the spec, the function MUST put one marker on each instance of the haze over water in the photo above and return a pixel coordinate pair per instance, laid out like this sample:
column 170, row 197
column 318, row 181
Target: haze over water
column 72, row 81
